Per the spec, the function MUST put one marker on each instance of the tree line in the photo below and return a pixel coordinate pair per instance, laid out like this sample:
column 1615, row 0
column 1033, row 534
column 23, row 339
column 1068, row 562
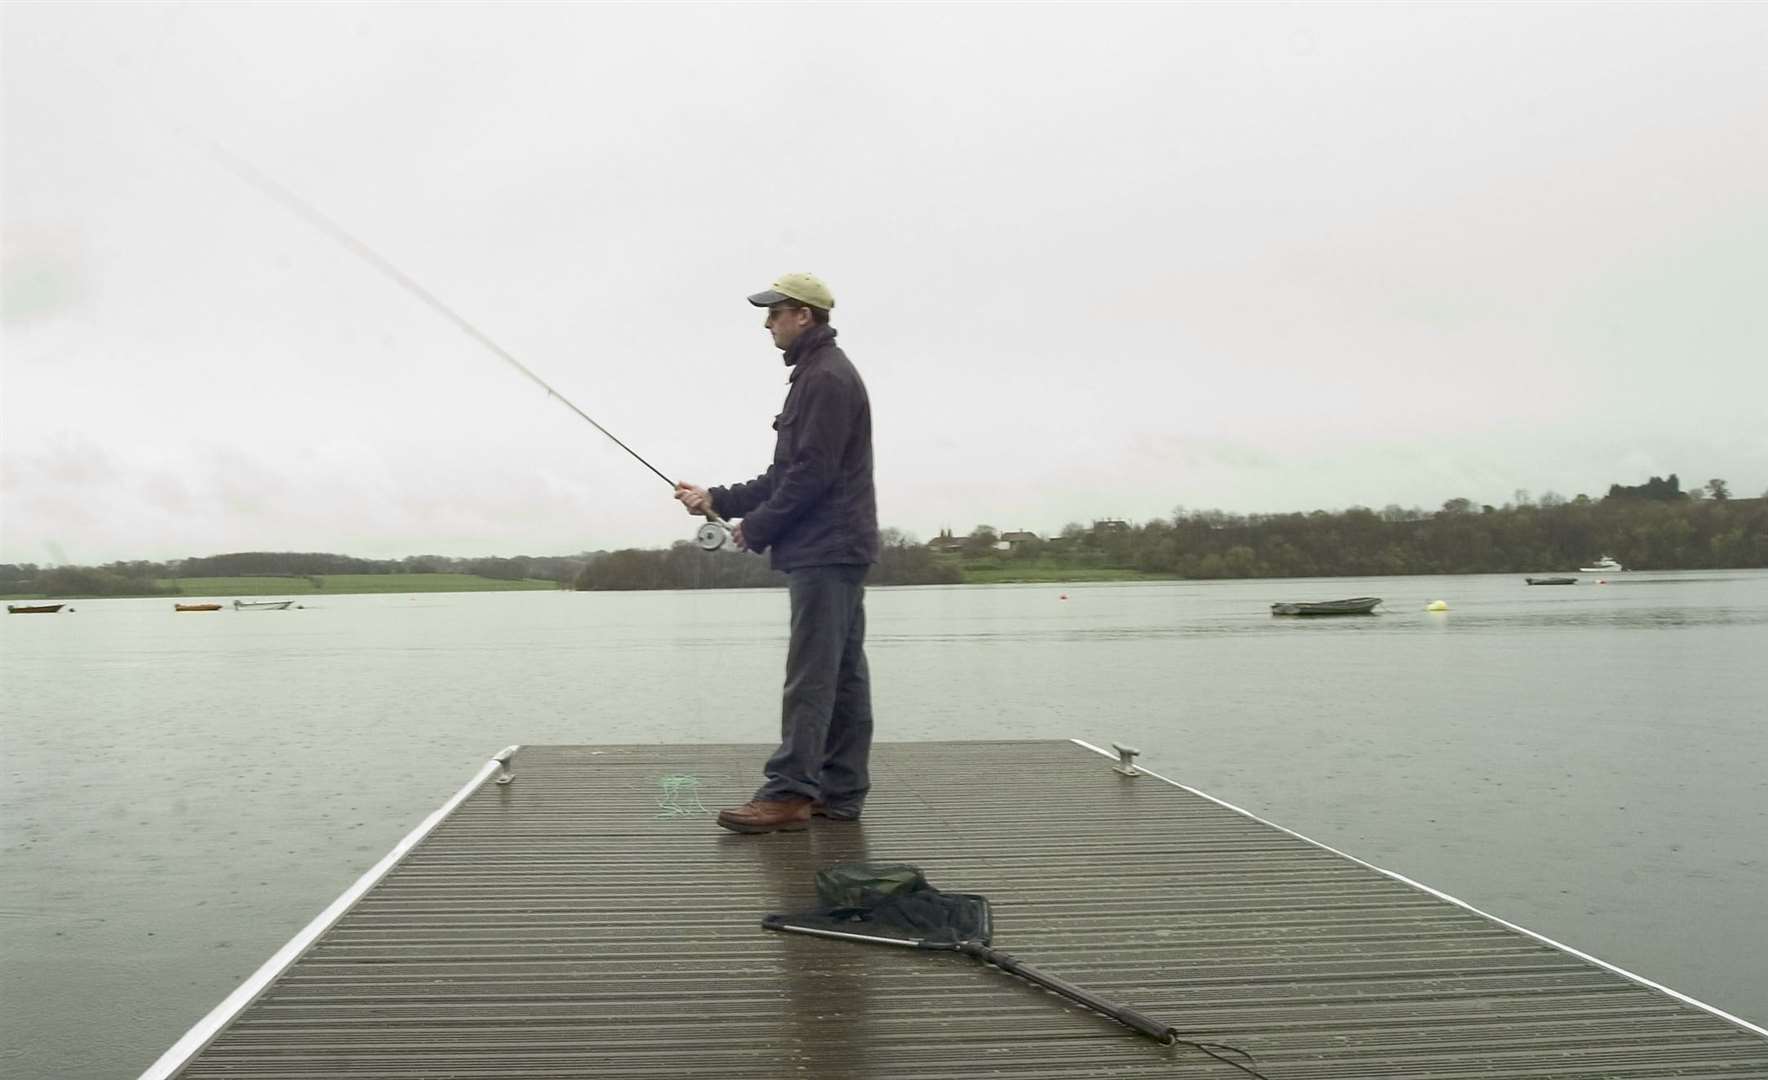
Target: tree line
column 1663, row 529
column 902, row 561
column 1652, row 526
column 1454, row 540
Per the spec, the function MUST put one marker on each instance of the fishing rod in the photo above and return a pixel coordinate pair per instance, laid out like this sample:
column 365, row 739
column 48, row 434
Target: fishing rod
column 715, row 534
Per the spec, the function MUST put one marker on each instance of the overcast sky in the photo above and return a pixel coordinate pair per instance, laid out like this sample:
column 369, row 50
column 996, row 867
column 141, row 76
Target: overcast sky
column 1092, row 261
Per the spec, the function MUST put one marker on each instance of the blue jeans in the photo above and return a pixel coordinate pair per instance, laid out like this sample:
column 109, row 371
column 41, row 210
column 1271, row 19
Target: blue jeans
column 826, row 712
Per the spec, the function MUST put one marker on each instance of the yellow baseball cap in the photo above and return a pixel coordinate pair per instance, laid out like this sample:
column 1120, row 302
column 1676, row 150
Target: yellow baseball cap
column 804, row 288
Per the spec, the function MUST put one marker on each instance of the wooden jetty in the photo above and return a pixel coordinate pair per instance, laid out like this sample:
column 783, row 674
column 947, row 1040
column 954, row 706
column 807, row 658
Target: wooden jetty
column 588, row 920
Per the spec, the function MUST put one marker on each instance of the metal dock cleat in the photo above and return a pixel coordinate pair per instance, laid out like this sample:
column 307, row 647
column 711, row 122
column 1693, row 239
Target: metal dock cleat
column 1126, row 760
column 503, row 758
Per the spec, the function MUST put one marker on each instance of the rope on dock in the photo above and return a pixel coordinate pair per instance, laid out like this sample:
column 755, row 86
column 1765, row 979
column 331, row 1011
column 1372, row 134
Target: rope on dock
column 677, row 791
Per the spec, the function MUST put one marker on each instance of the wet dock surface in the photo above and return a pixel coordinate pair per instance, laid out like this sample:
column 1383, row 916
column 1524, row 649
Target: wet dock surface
column 590, row 920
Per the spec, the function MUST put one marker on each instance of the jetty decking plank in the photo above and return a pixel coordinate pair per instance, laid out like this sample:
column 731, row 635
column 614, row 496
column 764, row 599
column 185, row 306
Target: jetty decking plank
column 565, row 925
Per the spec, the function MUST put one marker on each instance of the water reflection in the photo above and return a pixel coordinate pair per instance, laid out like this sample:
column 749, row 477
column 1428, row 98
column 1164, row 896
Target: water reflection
column 1470, row 619
column 823, row 1019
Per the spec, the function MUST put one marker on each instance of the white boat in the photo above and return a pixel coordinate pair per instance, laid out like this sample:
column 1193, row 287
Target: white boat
column 261, row 605
column 1604, row 565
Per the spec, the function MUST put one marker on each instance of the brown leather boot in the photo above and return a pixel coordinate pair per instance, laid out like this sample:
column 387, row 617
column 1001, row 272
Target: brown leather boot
column 767, row 815
column 817, row 809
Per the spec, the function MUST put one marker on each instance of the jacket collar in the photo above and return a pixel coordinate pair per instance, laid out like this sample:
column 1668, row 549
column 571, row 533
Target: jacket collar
column 807, row 345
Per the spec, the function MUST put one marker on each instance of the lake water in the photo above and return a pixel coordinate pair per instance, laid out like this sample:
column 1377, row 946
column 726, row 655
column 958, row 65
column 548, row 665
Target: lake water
column 184, row 792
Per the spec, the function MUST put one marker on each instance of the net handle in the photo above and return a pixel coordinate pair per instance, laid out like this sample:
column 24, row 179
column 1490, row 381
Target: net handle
column 1128, row 1017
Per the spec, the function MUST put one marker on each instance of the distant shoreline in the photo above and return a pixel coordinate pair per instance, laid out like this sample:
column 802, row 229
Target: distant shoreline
column 185, row 589
column 370, row 584
column 366, row 584
column 1655, row 531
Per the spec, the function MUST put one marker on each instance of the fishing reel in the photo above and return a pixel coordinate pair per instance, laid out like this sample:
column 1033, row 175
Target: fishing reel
column 714, row 535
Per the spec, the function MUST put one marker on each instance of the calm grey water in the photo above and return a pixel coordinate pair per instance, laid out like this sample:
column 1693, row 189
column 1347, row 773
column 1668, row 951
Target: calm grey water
column 183, row 792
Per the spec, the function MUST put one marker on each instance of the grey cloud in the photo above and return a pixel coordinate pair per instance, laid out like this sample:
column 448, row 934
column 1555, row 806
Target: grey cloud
column 1097, row 259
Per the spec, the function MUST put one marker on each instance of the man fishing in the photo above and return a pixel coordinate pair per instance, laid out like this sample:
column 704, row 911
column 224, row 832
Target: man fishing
column 815, row 513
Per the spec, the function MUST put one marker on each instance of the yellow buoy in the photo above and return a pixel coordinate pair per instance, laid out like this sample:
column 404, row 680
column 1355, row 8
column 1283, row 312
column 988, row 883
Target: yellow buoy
column 1437, row 605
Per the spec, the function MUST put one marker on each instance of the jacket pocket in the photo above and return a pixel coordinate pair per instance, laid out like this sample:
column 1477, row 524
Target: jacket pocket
column 785, row 423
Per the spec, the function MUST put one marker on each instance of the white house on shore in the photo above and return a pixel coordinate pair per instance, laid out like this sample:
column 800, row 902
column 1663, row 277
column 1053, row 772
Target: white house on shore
column 945, row 542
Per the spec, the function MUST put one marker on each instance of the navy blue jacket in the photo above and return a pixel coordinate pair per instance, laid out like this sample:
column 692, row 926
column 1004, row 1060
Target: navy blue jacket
column 815, row 505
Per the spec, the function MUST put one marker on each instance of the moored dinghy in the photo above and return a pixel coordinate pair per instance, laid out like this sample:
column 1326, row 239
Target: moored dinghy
column 1551, row 580
column 33, row 609
column 196, row 607
column 261, row 605
column 1357, row 605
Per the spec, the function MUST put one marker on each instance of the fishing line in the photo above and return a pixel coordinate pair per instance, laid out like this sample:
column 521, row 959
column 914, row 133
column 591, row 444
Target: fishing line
column 713, row 535
column 677, row 790
column 1206, row 1048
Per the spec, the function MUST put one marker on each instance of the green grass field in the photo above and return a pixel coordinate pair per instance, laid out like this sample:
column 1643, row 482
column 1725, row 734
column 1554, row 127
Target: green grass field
column 348, row 583
column 1008, row 572
column 333, row 584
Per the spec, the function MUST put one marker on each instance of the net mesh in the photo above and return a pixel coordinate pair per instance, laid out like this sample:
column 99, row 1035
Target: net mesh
column 891, row 900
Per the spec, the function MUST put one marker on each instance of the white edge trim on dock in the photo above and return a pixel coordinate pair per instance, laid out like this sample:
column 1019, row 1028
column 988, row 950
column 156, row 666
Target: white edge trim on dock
column 209, row 1026
column 1458, row 902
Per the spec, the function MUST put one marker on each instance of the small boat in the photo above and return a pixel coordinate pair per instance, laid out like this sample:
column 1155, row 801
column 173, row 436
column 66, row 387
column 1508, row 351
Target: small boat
column 261, row 605
column 196, row 607
column 33, row 609
column 1359, row 605
column 1551, row 580
column 1604, row 565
